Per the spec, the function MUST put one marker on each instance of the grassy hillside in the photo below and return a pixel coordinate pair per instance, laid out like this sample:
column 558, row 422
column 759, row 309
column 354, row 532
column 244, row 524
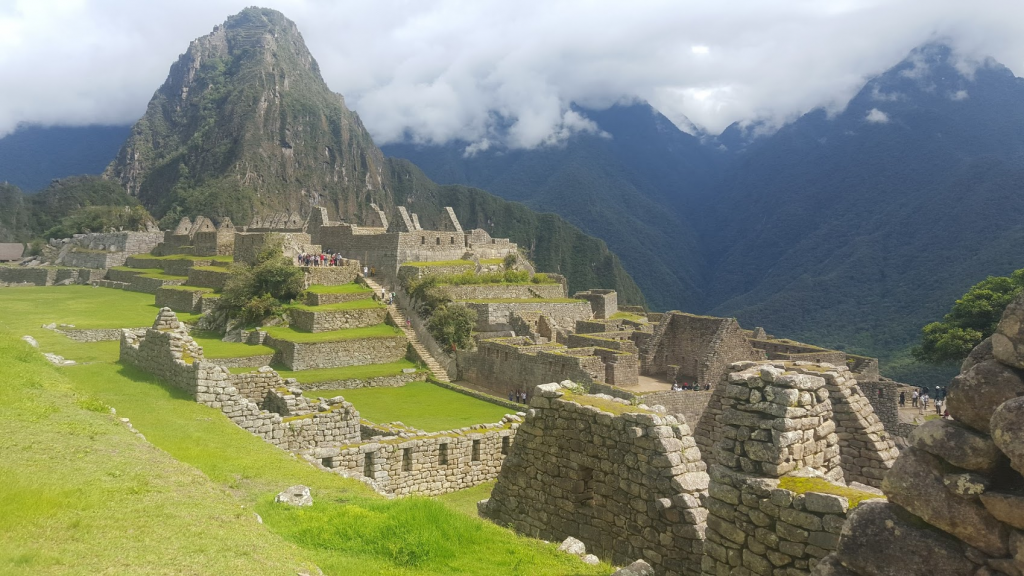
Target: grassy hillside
column 184, row 502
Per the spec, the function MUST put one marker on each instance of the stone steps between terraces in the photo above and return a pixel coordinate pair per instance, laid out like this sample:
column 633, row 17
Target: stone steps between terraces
column 440, row 374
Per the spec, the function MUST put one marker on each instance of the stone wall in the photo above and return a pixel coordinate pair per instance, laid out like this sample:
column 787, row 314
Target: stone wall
column 604, row 303
column 504, row 364
column 884, row 396
column 207, row 278
column 629, row 485
column 498, row 291
column 314, row 299
column 331, row 275
column 179, row 300
column 612, row 340
column 409, row 272
column 690, row 403
column 328, row 320
column 701, row 346
column 167, row 351
column 248, row 244
column 955, row 503
column 97, row 334
column 494, row 316
column 866, row 449
column 392, row 381
column 755, row 527
column 105, row 249
column 36, row 275
column 427, row 464
column 151, row 285
column 336, row 354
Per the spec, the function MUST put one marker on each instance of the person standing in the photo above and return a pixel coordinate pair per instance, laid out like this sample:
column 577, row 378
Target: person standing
column 903, row 399
column 913, row 399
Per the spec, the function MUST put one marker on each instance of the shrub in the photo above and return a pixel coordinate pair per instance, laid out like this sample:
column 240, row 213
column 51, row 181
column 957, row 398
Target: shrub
column 430, row 295
column 452, row 325
column 510, row 261
column 541, row 278
column 253, row 293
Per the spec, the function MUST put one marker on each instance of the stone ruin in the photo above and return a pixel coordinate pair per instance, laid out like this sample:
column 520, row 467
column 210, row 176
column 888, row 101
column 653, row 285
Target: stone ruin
column 629, row 485
column 203, row 237
column 166, row 350
column 956, row 495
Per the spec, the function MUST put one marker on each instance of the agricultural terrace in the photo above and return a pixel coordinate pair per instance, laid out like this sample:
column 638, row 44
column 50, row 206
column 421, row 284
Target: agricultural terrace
column 99, row 498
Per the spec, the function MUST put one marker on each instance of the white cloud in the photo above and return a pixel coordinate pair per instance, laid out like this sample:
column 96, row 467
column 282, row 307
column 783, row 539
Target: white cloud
column 501, row 72
column 876, row 116
column 959, row 95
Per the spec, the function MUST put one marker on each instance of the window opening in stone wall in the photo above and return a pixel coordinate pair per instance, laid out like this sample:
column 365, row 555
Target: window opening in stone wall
column 423, row 239
column 407, row 460
column 453, row 240
column 368, row 465
column 476, row 450
column 505, row 444
column 442, row 454
column 327, row 462
column 438, row 240
column 585, row 487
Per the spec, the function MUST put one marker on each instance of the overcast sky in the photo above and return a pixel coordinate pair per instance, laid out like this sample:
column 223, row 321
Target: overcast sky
column 442, row 70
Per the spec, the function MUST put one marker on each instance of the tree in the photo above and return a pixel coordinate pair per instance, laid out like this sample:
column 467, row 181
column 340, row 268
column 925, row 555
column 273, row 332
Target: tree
column 255, row 292
column 452, row 325
column 971, row 319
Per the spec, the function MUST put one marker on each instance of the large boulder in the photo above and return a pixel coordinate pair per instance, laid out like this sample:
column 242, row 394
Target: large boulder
column 879, row 539
column 981, row 353
column 975, row 394
column 1006, row 507
column 1008, row 431
column 915, row 482
column 1008, row 340
column 958, row 445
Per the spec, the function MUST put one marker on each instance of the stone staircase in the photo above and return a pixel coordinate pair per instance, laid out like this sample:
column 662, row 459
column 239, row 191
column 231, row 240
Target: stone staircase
column 399, row 316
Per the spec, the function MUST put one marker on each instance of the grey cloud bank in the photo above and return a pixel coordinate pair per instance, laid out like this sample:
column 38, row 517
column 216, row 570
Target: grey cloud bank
column 503, row 73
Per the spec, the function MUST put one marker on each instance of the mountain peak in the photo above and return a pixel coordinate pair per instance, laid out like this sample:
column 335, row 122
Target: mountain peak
column 245, row 124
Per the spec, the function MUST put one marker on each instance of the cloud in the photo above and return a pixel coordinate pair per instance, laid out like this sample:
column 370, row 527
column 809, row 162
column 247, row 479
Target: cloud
column 959, row 95
column 504, row 74
column 876, row 116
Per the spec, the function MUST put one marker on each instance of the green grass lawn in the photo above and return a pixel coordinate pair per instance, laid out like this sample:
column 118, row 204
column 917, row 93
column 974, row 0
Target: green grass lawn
column 351, row 288
column 84, row 496
column 330, row 374
column 83, row 306
column 362, row 304
column 291, row 335
column 465, row 500
column 138, row 270
column 217, row 269
column 627, row 316
column 213, row 347
column 421, row 405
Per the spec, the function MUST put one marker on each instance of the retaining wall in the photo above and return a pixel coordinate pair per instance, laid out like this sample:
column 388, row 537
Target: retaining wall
column 329, row 320
column 494, row 316
column 307, row 356
column 207, row 278
column 392, row 381
column 179, row 300
column 519, row 291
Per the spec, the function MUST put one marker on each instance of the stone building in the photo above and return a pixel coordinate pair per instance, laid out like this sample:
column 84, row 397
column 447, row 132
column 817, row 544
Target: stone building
column 203, row 237
column 626, row 481
column 386, row 248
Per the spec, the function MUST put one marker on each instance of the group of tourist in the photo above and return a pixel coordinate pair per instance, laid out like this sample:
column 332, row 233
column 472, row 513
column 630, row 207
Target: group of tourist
column 676, row 386
column 387, row 298
column 322, row 259
column 519, row 396
column 920, row 398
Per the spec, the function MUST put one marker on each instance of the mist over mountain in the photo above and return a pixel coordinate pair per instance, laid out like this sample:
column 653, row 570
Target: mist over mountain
column 851, row 230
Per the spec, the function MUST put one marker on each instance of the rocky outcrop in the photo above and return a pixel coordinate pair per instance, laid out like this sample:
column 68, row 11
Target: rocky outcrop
column 956, row 494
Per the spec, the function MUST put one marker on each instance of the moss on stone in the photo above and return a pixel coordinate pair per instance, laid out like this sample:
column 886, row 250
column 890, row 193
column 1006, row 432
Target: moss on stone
column 822, row 486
